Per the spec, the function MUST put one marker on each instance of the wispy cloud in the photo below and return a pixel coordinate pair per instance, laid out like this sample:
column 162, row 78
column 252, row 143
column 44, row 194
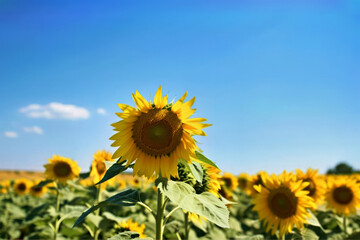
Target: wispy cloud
column 34, row 129
column 10, row 134
column 101, row 111
column 55, row 110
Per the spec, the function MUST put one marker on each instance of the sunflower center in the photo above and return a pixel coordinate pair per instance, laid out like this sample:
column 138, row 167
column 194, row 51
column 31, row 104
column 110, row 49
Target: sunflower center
column 157, row 132
column 62, row 169
column 242, row 182
column 282, row 202
column 100, row 167
column 36, row 189
column 228, row 182
column 311, row 187
column 21, row 186
column 343, row 195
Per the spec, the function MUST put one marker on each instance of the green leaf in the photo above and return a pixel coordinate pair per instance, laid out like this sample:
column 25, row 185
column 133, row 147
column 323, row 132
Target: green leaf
column 125, row 236
column 84, row 175
column 313, row 221
column 204, row 159
column 113, row 170
column 36, row 211
column 128, row 197
column 205, row 204
column 304, row 234
column 44, row 183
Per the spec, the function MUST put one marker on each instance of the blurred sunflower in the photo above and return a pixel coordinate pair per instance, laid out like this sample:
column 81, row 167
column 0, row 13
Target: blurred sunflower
column 343, row 195
column 131, row 226
column 61, row 169
column 316, row 187
column 37, row 191
column 157, row 134
column 4, row 186
column 282, row 202
column 243, row 180
column 135, row 182
column 254, row 181
column 98, row 167
column 121, row 184
column 22, row 186
column 225, row 192
column 230, row 181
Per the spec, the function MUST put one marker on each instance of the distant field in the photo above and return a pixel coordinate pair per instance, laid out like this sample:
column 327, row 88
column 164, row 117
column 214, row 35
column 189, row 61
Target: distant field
column 14, row 174
column 33, row 175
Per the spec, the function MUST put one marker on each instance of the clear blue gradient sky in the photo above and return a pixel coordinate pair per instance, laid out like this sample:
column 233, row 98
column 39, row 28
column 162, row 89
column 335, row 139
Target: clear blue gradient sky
column 279, row 80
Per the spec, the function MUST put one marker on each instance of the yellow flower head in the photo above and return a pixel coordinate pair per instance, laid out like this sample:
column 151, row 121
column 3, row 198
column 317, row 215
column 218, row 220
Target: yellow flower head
column 230, row 181
column 4, row 186
column 131, row 226
column 343, row 195
column 22, row 186
column 254, row 181
column 37, row 191
column 316, row 187
column 98, row 167
column 243, row 180
column 281, row 202
column 135, row 182
column 121, row 183
column 156, row 134
column 61, row 169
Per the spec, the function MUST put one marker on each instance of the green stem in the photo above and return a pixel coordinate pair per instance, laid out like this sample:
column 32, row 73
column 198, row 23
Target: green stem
column 186, row 215
column 160, row 216
column 56, row 227
column 345, row 225
column 169, row 214
column 97, row 212
column 147, row 208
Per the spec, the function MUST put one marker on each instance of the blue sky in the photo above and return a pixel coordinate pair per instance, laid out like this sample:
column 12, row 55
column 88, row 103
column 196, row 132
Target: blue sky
column 279, row 81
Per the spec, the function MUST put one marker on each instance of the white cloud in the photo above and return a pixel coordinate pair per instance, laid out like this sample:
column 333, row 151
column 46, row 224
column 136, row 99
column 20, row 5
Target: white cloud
column 55, row 110
column 34, row 129
column 10, row 134
column 101, row 111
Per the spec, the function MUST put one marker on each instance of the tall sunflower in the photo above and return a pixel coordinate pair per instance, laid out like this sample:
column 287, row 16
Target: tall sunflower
column 129, row 225
column 156, row 134
column 282, row 202
column 22, row 186
column 98, row 167
column 61, row 169
column 316, row 187
column 343, row 195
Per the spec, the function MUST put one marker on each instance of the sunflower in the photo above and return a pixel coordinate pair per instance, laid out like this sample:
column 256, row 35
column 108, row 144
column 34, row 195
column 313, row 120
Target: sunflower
column 22, row 186
column 129, row 225
column 254, row 181
column 343, row 195
column 230, row 181
column 121, row 184
column 282, row 202
column 316, row 187
column 157, row 134
column 135, row 182
column 37, row 191
column 98, row 167
column 4, row 186
column 61, row 169
column 243, row 180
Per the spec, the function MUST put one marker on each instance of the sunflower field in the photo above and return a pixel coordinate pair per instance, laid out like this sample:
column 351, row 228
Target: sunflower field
column 175, row 191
